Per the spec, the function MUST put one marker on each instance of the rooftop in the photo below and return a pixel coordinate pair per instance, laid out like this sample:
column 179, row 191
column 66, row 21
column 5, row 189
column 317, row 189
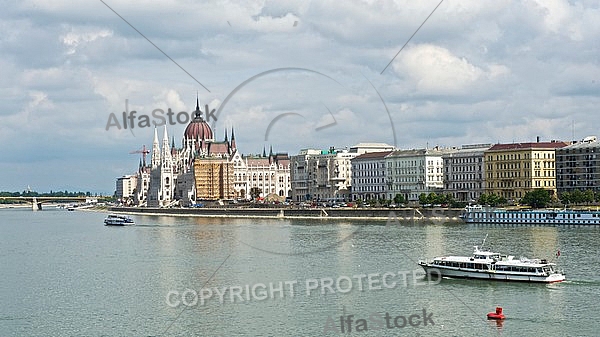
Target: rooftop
column 525, row 146
column 372, row 155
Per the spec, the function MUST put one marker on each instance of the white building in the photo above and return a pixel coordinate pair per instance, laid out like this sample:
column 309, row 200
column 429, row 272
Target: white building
column 414, row 172
column 269, row 174
column 369, row 176
column 464, row 172
column 126, row 187
column 162, row 175
column 362, row 148
column 325, row 175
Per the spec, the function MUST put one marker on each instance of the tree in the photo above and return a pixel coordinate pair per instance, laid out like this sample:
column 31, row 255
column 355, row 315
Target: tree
column 537, row 198
column 577, row 197
column 399, row 199
column 491, row 199
column 565, row 198
column 588, row 196
column 423, row 199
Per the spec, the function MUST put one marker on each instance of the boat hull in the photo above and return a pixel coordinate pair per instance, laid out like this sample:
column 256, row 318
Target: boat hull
column 490, row 274
column 115, row 224
column 479, row 215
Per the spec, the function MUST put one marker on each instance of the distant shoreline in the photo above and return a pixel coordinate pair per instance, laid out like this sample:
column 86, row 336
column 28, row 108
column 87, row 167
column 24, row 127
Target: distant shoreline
column 15, row 206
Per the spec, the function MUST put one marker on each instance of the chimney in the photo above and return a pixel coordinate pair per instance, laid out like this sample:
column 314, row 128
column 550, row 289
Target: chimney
column 538, row 139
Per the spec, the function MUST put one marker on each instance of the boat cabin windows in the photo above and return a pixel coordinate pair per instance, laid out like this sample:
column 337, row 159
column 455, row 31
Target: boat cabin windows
column 519, row 269
column 462, row 265
column 483, row 257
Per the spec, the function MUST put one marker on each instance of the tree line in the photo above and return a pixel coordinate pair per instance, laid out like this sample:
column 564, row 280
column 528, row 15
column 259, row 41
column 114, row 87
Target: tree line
column 30, row 194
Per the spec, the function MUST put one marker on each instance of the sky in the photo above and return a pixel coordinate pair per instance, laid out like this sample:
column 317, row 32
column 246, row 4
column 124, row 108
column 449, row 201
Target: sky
column 286, row 74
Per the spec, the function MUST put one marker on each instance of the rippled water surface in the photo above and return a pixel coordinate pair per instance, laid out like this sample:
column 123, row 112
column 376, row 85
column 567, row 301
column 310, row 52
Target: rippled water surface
column 65, row 274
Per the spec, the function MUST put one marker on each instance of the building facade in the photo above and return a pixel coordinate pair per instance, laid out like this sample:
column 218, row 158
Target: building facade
column 270, row 175
column 464, row 172
column 125, row 188
column 411, row 173
column 214, row 178
column 578, row 166
column 321, row 175
column 369, row 176
column 326, row 175
column 514, row 169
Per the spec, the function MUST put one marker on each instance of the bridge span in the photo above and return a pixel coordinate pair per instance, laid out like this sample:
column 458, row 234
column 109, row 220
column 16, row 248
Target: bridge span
column 36, row 202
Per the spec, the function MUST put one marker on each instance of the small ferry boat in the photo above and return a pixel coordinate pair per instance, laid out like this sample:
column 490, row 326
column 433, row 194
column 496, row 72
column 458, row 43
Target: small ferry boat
column 494, row 266
column 118, row 220
column 484, row 215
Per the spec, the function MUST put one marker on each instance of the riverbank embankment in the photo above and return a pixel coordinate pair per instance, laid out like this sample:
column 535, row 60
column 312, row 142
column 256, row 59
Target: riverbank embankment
column 310, row 213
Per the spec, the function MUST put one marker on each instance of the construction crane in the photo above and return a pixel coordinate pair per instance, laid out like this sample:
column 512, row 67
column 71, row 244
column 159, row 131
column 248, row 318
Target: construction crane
column 143, row 151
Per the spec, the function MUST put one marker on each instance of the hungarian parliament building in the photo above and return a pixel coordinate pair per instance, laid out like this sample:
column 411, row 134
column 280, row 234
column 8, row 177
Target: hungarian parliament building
column 204, row 169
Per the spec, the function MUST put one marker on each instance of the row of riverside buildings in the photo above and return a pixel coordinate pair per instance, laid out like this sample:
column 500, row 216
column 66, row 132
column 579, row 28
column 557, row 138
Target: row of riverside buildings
column 508, row 170
column 205, row 169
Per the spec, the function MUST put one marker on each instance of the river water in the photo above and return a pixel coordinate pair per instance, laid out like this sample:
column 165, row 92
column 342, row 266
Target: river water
column 65, row 274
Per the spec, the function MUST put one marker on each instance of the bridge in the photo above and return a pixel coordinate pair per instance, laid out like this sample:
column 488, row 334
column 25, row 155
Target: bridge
column 36, row 202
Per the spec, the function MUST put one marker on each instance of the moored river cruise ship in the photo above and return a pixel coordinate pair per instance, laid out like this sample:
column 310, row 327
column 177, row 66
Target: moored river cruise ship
column 494, row 266
column 483, row 215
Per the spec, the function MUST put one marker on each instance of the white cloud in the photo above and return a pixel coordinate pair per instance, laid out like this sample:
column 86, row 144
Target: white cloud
column 476, row 72
column 77, row 36
column 436, row 70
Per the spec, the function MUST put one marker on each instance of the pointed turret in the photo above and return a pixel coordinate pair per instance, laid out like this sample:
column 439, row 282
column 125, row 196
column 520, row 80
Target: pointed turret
column 166, row 150
column 155, row 150
column 173, row 149
column 264, row 152
column 233, row 146
column 226, row 140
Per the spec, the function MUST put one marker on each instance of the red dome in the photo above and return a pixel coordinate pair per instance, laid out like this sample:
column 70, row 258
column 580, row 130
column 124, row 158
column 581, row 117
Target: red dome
column 198, row 128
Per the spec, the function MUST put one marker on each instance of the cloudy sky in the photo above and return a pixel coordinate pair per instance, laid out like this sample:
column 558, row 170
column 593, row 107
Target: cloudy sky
column 296, row 74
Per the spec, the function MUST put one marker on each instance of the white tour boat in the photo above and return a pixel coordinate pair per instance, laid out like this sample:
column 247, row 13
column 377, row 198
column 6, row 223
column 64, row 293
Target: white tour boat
column 494, row 266
column 118, row 220
column 484, row 215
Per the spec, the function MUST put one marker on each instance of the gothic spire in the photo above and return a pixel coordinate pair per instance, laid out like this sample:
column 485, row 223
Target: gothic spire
column 264, row 152
column 155, row 150
column 232, row 139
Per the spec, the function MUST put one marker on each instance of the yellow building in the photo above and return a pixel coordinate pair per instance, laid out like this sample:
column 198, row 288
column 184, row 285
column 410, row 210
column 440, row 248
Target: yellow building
column 514, row 169
column 214, row 178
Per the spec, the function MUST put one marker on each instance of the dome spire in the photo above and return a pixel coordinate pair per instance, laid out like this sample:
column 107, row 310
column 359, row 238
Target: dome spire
column 198, row 112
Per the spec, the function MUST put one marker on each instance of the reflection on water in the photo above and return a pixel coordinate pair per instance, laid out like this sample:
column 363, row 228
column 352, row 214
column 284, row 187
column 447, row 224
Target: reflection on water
column 67, row 274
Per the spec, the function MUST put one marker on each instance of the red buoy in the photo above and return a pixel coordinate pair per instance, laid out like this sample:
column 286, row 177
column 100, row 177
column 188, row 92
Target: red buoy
column 496, row 315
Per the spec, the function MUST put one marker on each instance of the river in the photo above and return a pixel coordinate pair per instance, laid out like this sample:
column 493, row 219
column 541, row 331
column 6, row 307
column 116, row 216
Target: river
column 66, row 274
